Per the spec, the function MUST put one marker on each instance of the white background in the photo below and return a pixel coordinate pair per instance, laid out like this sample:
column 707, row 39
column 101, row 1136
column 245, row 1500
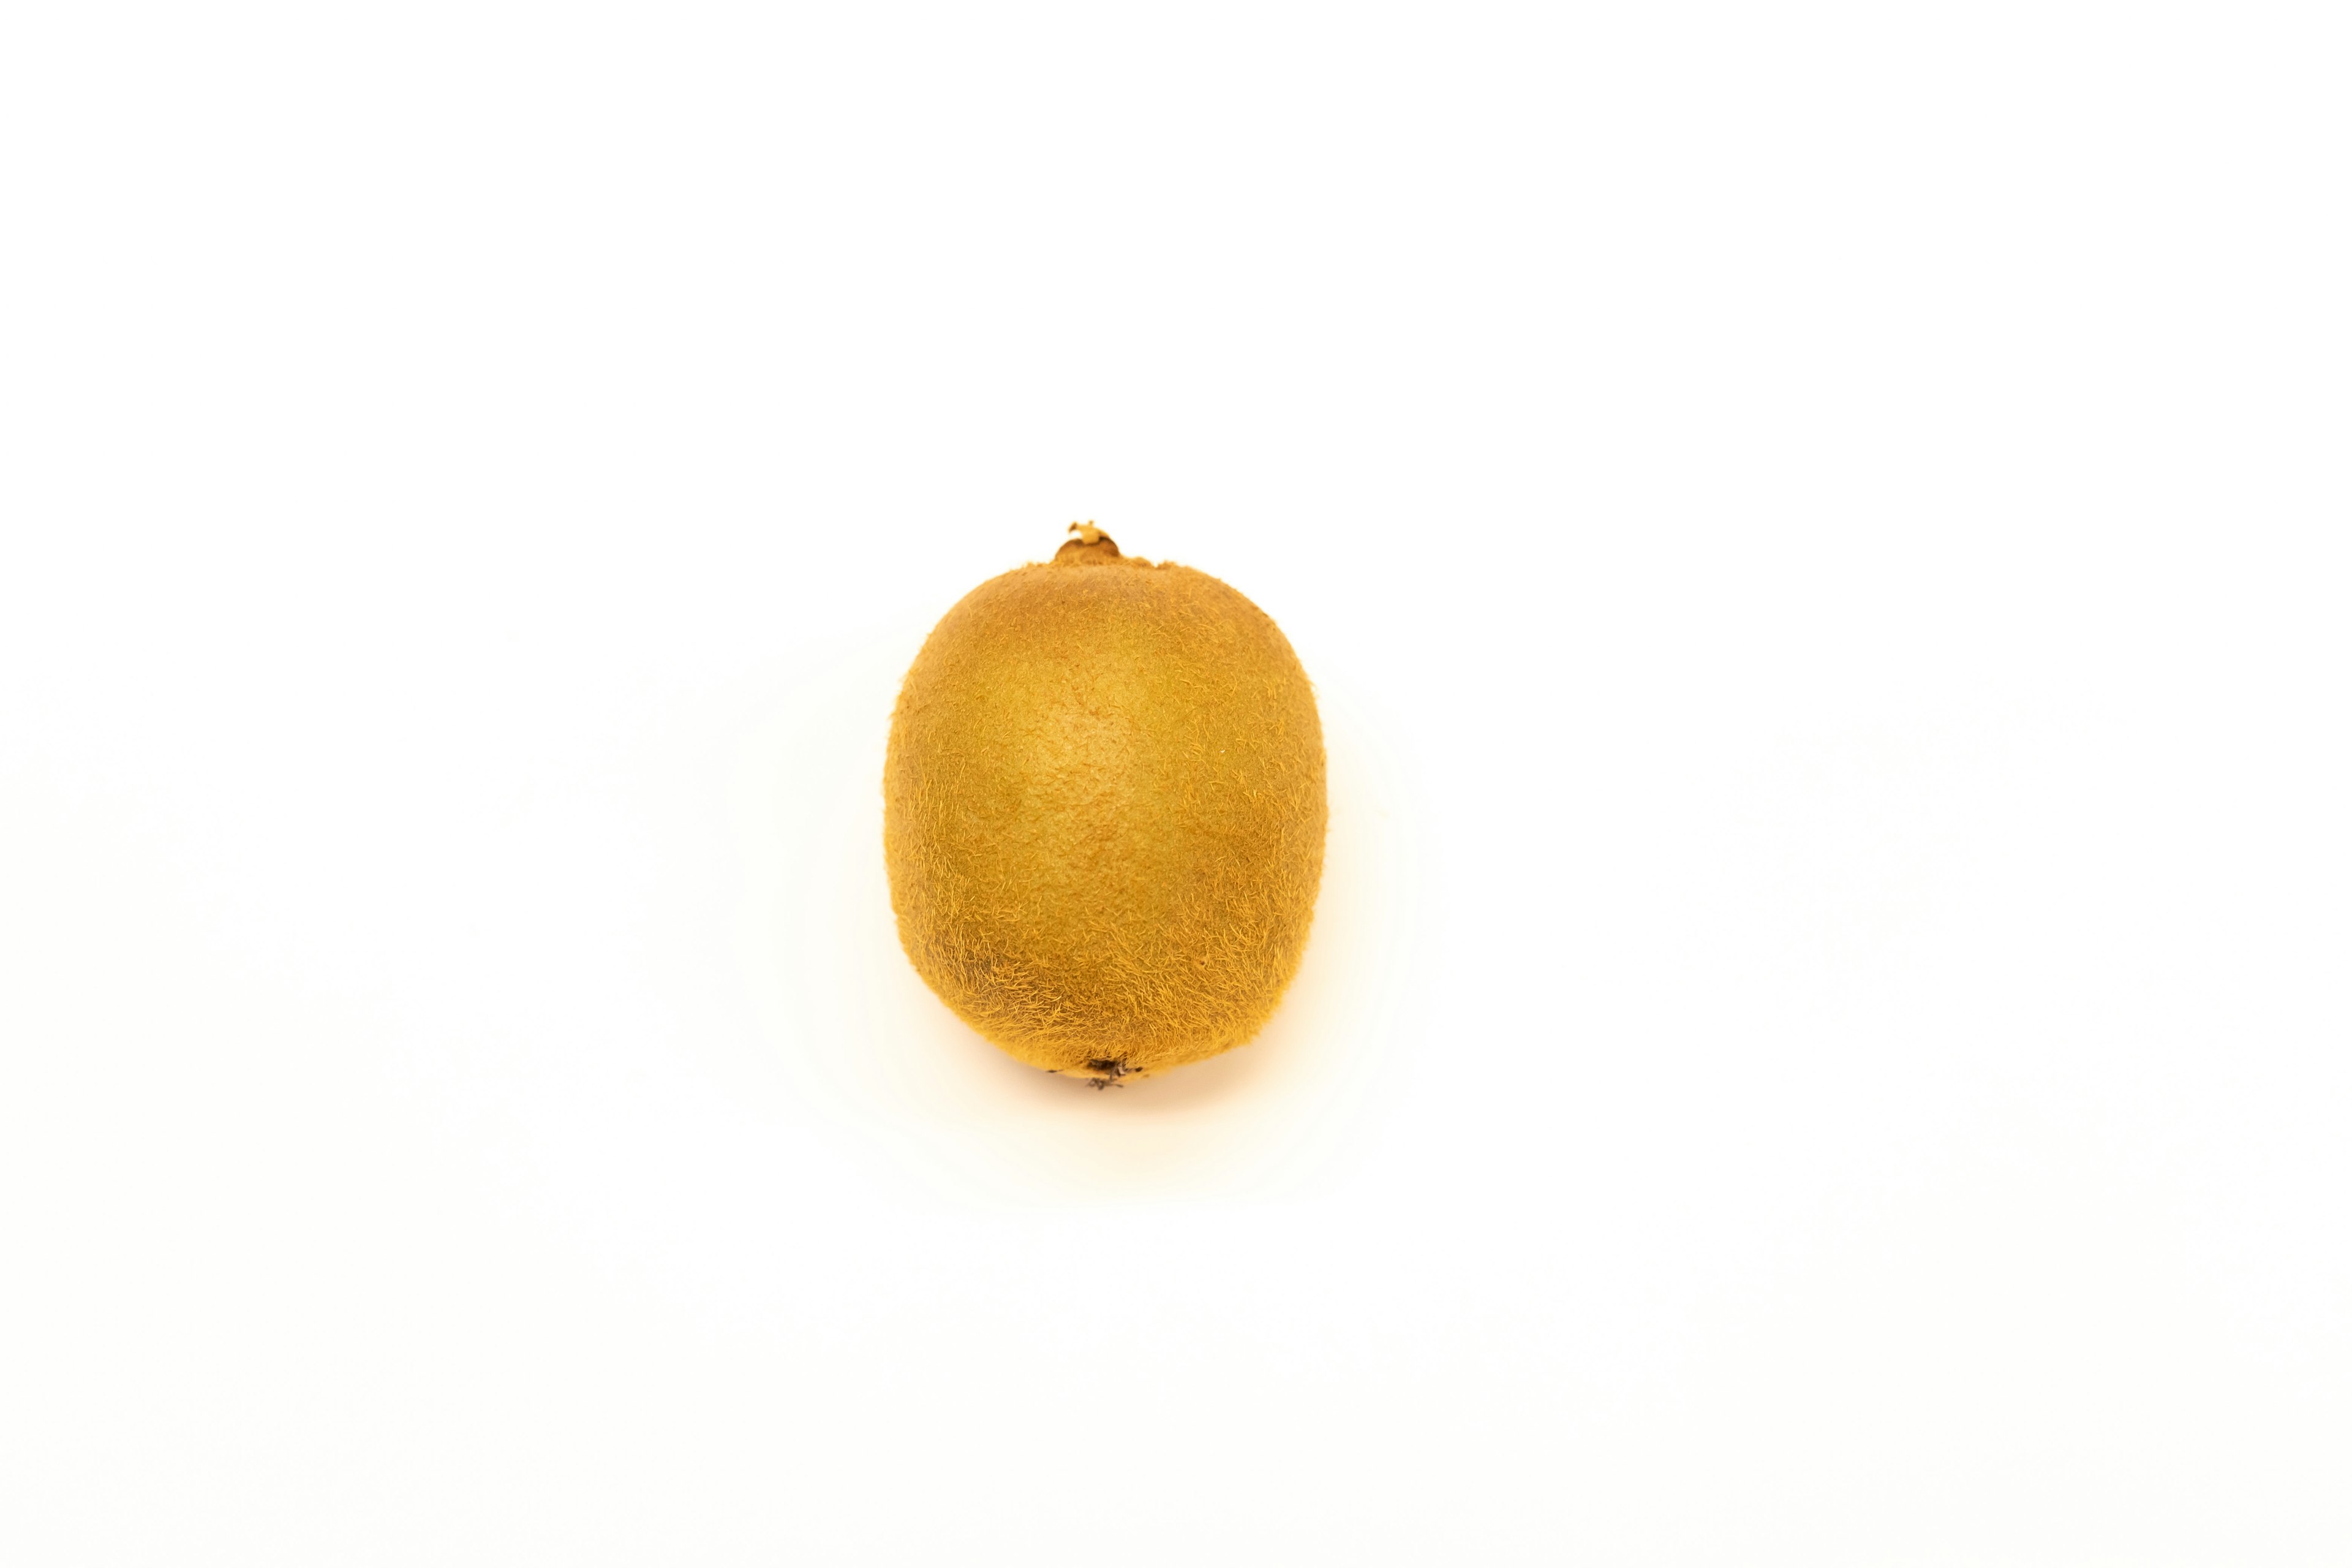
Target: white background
column 1820, row 531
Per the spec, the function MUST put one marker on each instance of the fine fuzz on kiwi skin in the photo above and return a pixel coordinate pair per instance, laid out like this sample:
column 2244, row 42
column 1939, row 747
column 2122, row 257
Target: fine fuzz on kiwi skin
column 1104, row 813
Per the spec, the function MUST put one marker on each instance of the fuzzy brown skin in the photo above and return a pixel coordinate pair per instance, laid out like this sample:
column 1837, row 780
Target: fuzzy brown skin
column 1104, row 813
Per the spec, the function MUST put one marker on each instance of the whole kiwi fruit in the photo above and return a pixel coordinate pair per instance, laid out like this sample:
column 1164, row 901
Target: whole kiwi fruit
column 1104, row 813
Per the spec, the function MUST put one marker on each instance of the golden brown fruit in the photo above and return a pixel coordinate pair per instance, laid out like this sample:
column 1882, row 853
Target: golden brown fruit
column 1104, row 812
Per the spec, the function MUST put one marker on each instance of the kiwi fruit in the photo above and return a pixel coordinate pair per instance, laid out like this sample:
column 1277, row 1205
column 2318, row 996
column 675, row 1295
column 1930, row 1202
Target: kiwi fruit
column 1103, row 812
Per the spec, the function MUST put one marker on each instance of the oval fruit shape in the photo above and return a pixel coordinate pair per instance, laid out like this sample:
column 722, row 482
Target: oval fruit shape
column 1103, row 812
